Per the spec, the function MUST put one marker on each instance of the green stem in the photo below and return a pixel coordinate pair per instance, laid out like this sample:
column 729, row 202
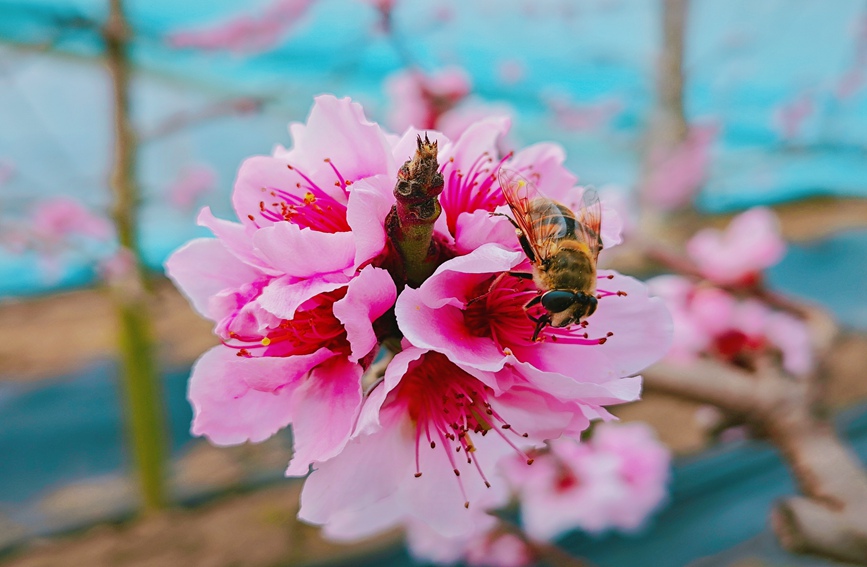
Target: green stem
column 410, row 224
column 144, row 408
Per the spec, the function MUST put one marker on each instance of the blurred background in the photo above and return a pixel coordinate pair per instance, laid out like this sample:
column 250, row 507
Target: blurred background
column 766, row 104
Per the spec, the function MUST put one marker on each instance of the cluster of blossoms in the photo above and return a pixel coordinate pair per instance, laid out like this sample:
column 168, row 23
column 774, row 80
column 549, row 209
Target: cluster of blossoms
column 710, row 319
column 315, row 281
column 441, row 100
column 55, row 228
column 614, row 480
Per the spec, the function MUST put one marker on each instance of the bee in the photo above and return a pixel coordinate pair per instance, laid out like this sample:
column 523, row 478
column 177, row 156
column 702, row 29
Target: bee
column 562, row 247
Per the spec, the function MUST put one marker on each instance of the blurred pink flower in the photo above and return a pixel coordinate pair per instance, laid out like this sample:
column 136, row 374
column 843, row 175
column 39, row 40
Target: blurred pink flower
column 483, row 546
column 244, row 33
column 710, row 321
column 737, row 256
column 850, row 83
column 7, row 171
column 575, row 117
column 790, row 116
column 419, row 99
column 675, row 177
column 192, row 182
column 614, row 480
column 511, row 71
column 57, row 220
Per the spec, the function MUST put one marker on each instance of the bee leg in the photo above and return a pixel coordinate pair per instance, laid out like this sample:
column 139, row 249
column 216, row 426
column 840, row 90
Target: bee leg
column 522, row 238
column 540, row 324
column 490, row 288
column 521, row 275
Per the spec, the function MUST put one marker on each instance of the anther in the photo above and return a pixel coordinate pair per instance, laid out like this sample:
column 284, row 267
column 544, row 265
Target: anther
column 418, row 474
column 266, row 341
column 251, row 217
column 467, row 504
column 433, row 445
column 457, row 472
column 530, row 461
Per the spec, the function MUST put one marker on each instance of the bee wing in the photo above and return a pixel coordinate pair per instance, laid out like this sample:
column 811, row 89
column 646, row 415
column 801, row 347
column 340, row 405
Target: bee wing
column 589, row 228
column 541, row 219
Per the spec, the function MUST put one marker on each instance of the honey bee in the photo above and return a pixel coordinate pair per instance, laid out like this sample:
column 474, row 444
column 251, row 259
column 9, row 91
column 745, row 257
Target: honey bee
column 562, row 247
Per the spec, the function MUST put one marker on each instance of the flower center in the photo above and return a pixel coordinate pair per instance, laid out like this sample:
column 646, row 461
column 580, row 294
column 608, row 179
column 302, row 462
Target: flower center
column 448, row 407
column 314, row 209
column 313, row 327
column 499, row 311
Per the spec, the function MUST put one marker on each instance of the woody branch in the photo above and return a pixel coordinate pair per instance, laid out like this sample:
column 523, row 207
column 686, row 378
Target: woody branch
column 830, row 518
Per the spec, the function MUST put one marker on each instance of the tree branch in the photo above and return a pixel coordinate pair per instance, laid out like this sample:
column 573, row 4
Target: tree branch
column 141, row 381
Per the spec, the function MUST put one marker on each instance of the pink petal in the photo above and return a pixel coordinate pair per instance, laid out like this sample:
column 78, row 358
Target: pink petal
column 367, row 470
column 283, row 296
column 304, row 253
column 274, row 373
column 338, row 130
column 478, row 228
column 370, row 201
column 370, row 294
column 225, row 409
column 543, row 164
column 204, row 267
column 236, row 238
column 641, row 325
column 479, row 138
column 257, row 176
column 453, row 282
column 325, row 409
column 443, row 330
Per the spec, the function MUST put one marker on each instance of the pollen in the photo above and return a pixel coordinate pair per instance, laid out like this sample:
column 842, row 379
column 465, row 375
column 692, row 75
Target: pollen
column 266, row 341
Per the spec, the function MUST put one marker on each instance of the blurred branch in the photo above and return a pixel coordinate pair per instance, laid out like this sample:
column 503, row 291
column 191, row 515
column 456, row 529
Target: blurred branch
column 140, row 377
column 830, row 519
column 668, row 126
column 182, row 120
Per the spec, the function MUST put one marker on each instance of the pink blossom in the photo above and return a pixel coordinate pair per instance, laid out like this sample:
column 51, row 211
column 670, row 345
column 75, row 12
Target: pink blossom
column 192, row 182
column 583, row 117
column 475, row 313
column 288, row 288
column 7, row 171
column 790, row 116
column 511, row 71
column 243, row 33
column 676, row 176
column 56, row 220
column 470, row 368
column 419, row 99
column 300, row 299
column 710, row 321
column 427, row 441
column 483, row 546
column 737, row 255
column 614, row 480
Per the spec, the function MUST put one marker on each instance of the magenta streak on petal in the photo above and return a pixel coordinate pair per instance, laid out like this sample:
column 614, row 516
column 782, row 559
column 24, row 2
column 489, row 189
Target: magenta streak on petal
column 340, row 180
column 466, row 193
column 316, row 209
column 439, row 395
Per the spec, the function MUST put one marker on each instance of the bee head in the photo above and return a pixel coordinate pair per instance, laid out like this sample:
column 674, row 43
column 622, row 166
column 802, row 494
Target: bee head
column 565, row 306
